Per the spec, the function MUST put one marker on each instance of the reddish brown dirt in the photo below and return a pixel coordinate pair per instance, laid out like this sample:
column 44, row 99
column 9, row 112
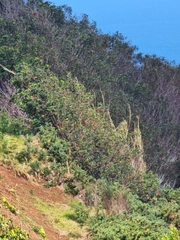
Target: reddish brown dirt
column 23, row 200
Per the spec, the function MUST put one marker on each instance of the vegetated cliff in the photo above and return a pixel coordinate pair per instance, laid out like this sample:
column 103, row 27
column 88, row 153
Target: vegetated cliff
column 78, row 148
column 85, row 111
column 104, row 64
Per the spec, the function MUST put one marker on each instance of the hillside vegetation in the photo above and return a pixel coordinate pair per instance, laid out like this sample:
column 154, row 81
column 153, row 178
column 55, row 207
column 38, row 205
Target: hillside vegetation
column 83, row 110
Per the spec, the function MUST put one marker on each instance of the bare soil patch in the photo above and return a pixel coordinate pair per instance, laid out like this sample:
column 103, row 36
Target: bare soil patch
column 20, row 192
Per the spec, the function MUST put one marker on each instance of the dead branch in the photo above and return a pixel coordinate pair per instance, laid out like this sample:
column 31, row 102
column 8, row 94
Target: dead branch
column 7, row 70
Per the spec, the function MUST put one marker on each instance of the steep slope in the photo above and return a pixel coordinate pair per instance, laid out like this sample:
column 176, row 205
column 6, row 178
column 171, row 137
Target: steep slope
column 27, row 196
column 77, row 100
column 32, row 30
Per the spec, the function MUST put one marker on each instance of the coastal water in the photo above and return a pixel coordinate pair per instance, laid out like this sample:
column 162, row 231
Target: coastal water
column 153, row 26
column 150, row 37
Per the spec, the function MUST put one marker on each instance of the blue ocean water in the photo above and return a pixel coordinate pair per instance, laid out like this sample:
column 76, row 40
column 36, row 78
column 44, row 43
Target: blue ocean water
column 153, row 26
column 161, row 38
column 153, row 38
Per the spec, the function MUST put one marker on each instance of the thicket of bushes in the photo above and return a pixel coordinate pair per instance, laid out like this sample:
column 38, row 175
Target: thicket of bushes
column 68, row 138
column 85, row 132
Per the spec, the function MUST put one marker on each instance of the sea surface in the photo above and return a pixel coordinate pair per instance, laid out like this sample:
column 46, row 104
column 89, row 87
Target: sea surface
column 152, row 37
column 152, row 25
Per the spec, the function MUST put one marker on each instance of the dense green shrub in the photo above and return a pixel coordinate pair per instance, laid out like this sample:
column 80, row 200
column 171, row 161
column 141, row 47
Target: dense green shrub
column 78, row 180
column 173, row 235
column 81, row 212
column 10, row 232
column 140, row 218
column 23, row 156
column 42, row 155
column 35, row 166
column 71, row 187
column 146, row 186
column 11, row 125
column 66, row 108
column 48, row 135
column 125, row 226
column 133, row 226
column 46, row 171
column 59, row 150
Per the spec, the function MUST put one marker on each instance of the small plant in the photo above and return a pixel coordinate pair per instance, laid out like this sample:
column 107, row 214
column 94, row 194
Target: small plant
column 42, row 155
column 12, row 191
column 8, row 144
column 46, row 171
column 23, row 156
column 26, row 153
column 9, row 206
column 29, row 138
column 51, row 183
column 35, row 229
column 40, row 231
column 70, row 187
column 31, row 192
column 56, row 220
column 35, row 166
column 33, row 150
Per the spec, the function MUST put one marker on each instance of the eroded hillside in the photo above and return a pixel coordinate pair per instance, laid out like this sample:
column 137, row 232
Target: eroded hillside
column 37, row 206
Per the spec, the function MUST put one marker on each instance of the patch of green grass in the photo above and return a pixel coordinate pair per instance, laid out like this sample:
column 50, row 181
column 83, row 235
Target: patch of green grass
column 10, row 145
column 58, row 215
